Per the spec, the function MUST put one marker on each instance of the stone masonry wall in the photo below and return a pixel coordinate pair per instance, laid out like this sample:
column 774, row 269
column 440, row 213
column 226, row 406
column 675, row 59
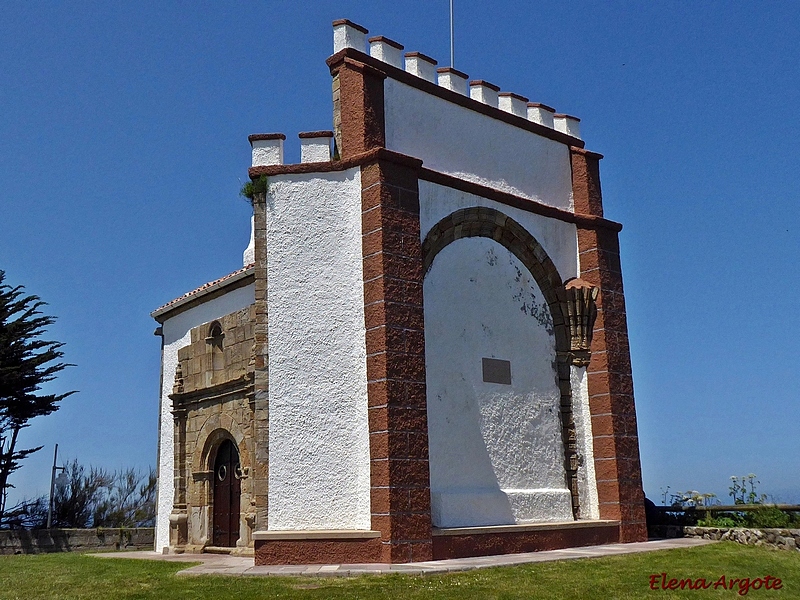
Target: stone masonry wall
column 207, row 362
column 783, row 539
column 213, row 401
column 37, row 541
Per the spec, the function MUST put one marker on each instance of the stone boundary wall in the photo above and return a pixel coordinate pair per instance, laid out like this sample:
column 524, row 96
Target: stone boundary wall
column 783, row 539
column 36, row 541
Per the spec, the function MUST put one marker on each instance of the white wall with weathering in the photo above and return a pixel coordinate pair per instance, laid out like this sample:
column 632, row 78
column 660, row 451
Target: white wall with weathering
column 496, row 449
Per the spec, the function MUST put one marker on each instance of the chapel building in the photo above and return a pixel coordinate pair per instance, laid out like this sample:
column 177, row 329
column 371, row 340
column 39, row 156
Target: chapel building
column 425, row 354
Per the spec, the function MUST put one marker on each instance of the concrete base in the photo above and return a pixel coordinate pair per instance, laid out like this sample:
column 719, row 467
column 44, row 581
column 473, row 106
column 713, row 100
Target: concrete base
column 215, row 564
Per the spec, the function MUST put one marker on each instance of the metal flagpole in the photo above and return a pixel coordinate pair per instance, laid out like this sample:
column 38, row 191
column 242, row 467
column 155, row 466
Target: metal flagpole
column 452, row 58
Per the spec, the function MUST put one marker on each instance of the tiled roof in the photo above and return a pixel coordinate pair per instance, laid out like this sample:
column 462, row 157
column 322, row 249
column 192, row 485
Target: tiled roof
column 206, row 287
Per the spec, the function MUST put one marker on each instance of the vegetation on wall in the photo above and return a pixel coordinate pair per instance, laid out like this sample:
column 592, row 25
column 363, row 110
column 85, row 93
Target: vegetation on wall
column 251, row 188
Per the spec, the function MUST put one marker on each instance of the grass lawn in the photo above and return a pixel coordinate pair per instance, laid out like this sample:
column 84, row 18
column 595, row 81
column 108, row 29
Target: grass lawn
column 78, row 576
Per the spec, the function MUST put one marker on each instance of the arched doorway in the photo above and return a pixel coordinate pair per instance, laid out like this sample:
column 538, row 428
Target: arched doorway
column 227, row 490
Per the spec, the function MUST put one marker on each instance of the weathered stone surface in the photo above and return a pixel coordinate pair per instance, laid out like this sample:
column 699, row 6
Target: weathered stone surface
column 217, row 403
column 38, row 541
column 783, row 539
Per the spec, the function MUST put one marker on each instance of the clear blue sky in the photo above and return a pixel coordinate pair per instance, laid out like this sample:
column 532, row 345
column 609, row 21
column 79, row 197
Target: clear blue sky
column 123, row 144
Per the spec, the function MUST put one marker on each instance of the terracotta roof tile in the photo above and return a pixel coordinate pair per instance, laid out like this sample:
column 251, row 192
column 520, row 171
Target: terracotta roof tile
column 196, row 292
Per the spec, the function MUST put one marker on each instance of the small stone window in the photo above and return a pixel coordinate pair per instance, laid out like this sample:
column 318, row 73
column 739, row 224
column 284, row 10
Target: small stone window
column 214, row 341
column 215, row 335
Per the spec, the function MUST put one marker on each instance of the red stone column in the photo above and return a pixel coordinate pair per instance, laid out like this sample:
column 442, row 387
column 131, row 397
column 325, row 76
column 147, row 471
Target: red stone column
column 358, row 118
column 395, row 343
column 616, row 442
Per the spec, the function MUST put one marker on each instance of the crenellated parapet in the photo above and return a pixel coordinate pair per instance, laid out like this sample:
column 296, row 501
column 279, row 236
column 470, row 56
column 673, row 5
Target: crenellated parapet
column 347, row 34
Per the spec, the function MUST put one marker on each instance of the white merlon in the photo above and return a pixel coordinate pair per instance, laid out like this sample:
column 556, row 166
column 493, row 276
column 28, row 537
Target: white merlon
column 451, row 79
column 386, row 50
column 420, row 65
column 315, row 146
column 567, row 124
column 267, row 148
column 513, row 103
column 483, row 91
column 347, row 34
column 249, row 255
column 541, row 114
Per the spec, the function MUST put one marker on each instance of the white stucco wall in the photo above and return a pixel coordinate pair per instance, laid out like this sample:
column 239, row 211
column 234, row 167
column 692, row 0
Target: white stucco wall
column 319, row 473
column 496, row 454
column 559, row 239
column 587, row 482
column 458, row 141
column 176, row 331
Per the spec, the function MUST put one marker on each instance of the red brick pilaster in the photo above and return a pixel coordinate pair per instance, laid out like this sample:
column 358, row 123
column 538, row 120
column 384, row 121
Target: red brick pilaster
column 395, row 341
column 358, row 118
column 610, row 382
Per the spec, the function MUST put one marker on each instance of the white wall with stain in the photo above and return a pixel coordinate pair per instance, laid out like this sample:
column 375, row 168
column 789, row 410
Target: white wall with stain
column 319, row 475
column 496, row 455
column 587, row 481
column 455, row 303
column 467, row 144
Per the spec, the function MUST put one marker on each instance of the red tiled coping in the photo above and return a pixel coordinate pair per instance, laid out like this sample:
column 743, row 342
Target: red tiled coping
column 491, row 86
column 421, row 56
column 512, row 95
column 542, row 106
column 265, row 136
column 203, row 289
column 455, row 72
column 360, row 28
column 385, row 40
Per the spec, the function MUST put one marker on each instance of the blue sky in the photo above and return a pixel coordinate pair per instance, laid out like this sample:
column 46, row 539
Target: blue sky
column 123, row 144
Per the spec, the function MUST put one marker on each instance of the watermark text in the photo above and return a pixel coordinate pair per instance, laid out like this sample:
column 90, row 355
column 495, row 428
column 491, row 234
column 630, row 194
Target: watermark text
column 743, row 585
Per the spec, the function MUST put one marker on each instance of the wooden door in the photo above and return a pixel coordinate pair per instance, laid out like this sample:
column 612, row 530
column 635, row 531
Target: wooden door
column 227, row 489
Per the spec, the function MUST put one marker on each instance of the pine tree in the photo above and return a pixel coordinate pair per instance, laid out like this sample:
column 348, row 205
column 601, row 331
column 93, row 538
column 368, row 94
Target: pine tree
column 26, row 362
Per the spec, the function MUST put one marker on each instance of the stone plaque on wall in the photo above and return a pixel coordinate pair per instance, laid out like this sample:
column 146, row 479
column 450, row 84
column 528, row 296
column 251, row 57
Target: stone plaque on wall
column 496, row 371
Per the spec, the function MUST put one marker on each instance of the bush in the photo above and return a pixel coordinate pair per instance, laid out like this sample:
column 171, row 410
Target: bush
column 726, row 521
column 92, row 497
column 768, row 517
column 251, row 188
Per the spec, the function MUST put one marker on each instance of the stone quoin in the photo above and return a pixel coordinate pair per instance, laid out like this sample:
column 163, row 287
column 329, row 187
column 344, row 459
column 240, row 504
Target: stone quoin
column 425, row 353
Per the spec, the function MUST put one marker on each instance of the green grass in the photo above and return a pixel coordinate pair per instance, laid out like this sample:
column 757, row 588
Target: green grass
column 56, row 576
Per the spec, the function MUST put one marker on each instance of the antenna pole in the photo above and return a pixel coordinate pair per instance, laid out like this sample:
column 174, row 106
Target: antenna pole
column 452, row 59
column 52, row 489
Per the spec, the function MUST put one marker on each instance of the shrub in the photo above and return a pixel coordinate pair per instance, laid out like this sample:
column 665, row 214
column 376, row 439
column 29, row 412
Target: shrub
column 251, row 188
column 726, row 521
column 768, row 517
